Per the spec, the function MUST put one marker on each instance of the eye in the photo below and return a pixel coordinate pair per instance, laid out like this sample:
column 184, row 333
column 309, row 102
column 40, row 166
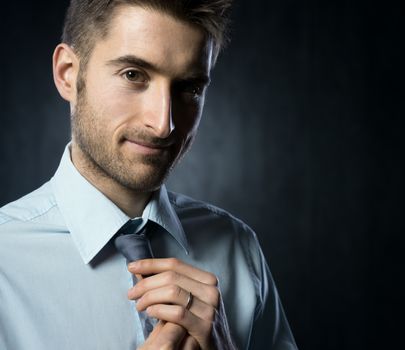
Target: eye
column 195, row 90
column 190, row 89
column 135, row 76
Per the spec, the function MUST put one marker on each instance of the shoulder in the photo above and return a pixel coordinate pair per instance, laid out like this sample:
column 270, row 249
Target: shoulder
column 225, row 224
column 186, row 206
column 29, row 207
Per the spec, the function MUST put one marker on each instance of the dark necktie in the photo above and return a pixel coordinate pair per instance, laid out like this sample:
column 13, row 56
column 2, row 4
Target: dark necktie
column 136, row 246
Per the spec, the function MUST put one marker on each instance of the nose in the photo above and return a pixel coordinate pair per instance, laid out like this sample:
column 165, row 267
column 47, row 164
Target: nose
column 158, row 117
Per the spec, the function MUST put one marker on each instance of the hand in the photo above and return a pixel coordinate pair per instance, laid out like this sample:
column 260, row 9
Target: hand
column 167, row 335
column 164, row 295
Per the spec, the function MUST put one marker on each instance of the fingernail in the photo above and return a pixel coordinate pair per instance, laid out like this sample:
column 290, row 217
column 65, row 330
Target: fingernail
column 133, row 265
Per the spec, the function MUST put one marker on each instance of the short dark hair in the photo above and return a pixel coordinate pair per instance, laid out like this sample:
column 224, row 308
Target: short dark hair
column 88, row 20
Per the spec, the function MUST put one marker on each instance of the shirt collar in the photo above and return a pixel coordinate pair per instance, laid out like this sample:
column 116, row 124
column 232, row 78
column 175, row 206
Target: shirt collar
column 93, row 219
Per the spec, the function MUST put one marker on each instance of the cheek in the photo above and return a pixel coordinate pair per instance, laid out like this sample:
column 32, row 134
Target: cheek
column 187, row 118
column 114, row 107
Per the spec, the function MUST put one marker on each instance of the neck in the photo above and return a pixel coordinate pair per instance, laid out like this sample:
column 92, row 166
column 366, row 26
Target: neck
column 132, row 203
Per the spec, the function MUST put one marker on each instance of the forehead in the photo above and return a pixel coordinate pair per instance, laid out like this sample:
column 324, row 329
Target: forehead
column 176, row 47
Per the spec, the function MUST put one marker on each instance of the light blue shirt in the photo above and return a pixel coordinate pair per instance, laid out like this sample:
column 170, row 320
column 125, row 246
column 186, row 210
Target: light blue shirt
column 64, row 286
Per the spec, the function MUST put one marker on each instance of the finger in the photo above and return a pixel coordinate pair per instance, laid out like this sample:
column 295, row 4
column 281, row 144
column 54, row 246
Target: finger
column 199, row 329
column 156, row 330
column 154, row 266
column 173, row 294
column 208, row 294
column 169, row 336
column 189, row 343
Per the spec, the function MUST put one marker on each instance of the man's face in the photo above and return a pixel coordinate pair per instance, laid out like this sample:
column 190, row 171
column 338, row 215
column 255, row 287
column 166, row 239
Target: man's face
column 142, row 98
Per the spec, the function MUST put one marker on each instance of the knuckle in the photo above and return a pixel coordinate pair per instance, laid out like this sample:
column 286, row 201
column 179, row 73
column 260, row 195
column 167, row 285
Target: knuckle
column 140, row 286
column 211, row 314
column 142, row 263
column 212, row 279
column 146, row 297
column 174, row 291
column 180, row 313
column 173, row 262
column 171, row 277
column 214, row 296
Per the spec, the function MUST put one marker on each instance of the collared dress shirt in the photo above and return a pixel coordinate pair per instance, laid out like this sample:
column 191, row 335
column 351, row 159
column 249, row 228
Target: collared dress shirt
column 64, row 286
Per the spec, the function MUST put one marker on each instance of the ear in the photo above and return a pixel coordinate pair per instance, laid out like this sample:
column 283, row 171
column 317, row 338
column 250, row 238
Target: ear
column 65, row 66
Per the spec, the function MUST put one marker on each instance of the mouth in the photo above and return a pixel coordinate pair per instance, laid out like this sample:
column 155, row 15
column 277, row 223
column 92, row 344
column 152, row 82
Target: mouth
column 145, row 147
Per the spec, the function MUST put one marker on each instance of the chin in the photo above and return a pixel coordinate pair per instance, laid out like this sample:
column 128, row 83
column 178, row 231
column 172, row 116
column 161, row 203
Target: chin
column 145, row 180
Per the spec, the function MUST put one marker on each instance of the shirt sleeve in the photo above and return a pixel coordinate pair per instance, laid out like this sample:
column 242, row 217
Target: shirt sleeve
column 271, row 329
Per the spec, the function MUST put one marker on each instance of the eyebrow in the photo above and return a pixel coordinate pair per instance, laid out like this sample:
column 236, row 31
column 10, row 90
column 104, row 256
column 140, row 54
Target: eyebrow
column 131, row 60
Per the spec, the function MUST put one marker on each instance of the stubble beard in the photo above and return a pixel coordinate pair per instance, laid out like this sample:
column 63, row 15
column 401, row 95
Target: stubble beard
column 140, row 173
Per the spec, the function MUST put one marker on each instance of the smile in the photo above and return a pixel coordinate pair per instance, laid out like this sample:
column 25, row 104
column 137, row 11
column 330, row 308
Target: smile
column 144, row 148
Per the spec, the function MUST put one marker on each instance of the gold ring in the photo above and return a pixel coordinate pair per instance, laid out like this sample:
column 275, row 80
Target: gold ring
column 189, row 300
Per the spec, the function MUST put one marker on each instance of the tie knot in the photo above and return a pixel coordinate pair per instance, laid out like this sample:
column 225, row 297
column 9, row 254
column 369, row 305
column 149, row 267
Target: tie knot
column 132, row 226
column 134, row 246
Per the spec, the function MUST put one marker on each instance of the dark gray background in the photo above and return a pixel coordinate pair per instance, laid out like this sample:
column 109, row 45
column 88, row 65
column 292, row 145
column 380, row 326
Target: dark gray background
column 302, row 138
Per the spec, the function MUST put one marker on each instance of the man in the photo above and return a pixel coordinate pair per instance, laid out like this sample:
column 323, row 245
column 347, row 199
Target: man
column 135, row 74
